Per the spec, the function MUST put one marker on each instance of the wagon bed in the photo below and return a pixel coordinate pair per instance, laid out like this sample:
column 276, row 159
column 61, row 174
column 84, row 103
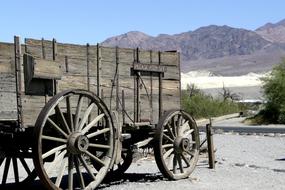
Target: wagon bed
column 86, row 108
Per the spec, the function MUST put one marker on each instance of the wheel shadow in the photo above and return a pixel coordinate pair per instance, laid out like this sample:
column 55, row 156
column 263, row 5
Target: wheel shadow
column 131, row 177
column 108, row 181
column 280, row 159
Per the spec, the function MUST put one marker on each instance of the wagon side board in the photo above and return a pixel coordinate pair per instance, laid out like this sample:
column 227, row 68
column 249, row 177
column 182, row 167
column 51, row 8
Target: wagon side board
column 107, row 71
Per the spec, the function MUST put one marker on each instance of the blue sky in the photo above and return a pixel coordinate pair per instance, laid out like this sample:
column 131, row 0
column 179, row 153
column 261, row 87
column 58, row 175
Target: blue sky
column 83, row 21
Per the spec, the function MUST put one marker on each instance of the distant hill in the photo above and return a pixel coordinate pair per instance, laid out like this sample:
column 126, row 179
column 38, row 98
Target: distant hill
column 220, row 49
column 273, row 32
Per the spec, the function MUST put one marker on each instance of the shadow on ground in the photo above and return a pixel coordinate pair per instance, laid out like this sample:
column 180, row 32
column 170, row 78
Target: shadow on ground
column 108, row 181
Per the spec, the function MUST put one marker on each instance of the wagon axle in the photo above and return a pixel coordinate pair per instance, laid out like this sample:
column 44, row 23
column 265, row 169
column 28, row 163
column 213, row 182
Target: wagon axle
column 77, row 143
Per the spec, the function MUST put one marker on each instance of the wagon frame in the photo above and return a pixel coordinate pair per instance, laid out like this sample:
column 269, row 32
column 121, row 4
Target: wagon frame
column 83, row 110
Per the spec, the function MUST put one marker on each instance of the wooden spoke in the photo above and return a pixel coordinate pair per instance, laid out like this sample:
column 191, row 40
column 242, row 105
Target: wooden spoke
column 180, row 119
column 25, row 165
column 92, row 123
column 57, row 128
column 70, row 172
column 69, row 114
column 16, row 170
column 85, row 116
column 88, row 169
column 190, row 153
column 6, row 170
column 53, row 151
column 78, row 110
column 58, row 159
column 1, row 161
column 167, row 146
column 95, row 158
column 175, row 164
column 168, row 138
column 168, row 127
column 62, row 118
column 99, row 146
column 99, row 132
column 173, row 125
column 78, row 172
column 168, row 153
column 61, row 172
column 187, row 133
column 54, row 139
column 180, row 163
column 185, row 160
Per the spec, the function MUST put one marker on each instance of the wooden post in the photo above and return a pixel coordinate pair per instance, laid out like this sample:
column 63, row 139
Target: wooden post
column 17, row 49
column 117, row 79
column 151, row 91
column 54, row 55
column 137, row 89
column 43, row 49
column 98, row 69
column 159, row 89
column 211, row 153
column 88, row 65
column 123, row 107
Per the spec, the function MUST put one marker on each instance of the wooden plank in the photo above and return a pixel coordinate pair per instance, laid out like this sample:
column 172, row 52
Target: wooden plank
column 7, row 49
column 108, row 54
column 126, row 55
column 8, row 105
column 46, row 69
column 76, row 66
column 73, row 82
column 144, row 56
column 32, row 105
column 7, row 83
column 172, row 73
column 169, row 58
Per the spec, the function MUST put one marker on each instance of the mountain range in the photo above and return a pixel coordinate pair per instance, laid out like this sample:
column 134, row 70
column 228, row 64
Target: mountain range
column 222, row 50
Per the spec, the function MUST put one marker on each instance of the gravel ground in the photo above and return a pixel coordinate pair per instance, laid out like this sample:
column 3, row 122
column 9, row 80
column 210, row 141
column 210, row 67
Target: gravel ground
column 243, row 162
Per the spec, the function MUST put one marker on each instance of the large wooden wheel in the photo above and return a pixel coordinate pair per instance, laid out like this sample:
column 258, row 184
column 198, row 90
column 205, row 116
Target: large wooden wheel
column 176, row 145
column 73, row 131
column 125, row 162
column 16, row 169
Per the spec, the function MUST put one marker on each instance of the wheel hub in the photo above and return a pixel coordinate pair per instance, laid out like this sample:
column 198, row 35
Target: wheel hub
column 181, row 144
column 77, row 143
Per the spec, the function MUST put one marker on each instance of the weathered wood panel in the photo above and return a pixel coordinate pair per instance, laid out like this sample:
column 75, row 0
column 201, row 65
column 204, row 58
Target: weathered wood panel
column 7, row 57
column 75, row 60
column 7, row 83
column 32, row 105
column 47, row 69
column 169, row 58
column 8, row 104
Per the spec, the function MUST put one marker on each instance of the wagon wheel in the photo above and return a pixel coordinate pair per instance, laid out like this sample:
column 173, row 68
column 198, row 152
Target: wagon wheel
column 118, row 169
column 16, row 169
column 124, row 164
column 176, row 145
column 73, row 130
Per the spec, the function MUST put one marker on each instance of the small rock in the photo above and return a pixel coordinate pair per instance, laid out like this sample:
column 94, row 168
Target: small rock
column 240, row 164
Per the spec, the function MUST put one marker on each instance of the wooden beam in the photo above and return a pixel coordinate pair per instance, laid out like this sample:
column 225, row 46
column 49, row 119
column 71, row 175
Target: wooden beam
column 99, row 58
column 88, row 66
column 54, row 55
column 117, row 78
column 159, row 89
column 18, row 72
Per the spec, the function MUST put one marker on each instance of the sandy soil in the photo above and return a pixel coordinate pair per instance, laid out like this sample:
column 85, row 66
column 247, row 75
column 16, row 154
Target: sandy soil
column 243, row 162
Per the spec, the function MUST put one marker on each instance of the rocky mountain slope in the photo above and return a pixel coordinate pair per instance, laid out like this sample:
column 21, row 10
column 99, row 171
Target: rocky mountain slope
column 220, row 49
column 273, row 32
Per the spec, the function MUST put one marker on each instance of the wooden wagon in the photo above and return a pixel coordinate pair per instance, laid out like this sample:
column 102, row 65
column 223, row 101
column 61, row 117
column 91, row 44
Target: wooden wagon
column 70, row 114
